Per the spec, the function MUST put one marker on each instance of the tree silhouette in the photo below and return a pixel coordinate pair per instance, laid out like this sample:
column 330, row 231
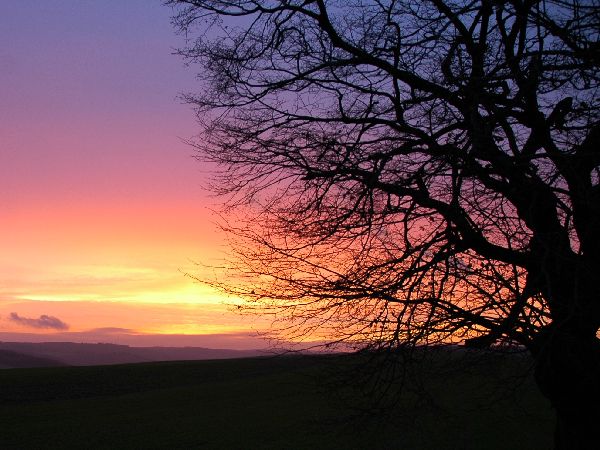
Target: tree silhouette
column 402, row 172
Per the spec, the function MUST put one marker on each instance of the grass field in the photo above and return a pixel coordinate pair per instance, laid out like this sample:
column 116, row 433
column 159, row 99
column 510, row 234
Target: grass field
column 265, row 403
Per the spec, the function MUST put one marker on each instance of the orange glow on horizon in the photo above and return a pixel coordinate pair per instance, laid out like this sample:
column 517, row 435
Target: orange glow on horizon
column 113, row 266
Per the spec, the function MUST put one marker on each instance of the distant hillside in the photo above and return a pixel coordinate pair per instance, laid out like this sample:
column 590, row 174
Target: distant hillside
column 12, row 360
column 27, row 354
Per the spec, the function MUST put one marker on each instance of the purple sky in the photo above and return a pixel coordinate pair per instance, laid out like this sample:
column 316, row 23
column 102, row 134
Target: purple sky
column 88, row 90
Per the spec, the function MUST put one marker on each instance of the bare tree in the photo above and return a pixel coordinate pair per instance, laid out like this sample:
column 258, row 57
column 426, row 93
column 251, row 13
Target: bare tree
column 403, row 172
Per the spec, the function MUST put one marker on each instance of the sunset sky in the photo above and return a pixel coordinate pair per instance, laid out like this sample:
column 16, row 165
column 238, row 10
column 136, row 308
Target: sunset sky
column 102, row 206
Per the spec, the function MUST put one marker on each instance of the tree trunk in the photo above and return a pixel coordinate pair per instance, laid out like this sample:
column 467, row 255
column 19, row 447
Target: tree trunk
column 568, row 374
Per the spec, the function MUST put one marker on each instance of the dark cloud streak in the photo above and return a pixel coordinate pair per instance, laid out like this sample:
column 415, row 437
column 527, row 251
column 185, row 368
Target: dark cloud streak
column 112, row 330
column 44, row 321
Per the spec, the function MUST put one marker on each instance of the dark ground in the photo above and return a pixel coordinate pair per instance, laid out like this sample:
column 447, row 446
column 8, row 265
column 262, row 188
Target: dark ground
column 270, row 403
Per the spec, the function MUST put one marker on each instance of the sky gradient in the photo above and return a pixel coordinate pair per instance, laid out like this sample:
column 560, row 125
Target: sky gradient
column 102, row 206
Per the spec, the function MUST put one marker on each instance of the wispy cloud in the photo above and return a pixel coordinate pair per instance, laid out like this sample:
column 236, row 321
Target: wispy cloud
column 112, row 330
column 44, row 321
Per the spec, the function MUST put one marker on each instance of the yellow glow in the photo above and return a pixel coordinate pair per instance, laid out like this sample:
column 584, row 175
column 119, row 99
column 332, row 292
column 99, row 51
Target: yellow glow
column 113, row 266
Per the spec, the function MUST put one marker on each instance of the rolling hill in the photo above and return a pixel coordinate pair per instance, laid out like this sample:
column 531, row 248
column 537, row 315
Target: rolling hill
column 26, row 354
column 269, row 403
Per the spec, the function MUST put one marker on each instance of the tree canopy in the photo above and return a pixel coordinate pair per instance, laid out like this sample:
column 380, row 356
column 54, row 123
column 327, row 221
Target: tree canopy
column 412, row 172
